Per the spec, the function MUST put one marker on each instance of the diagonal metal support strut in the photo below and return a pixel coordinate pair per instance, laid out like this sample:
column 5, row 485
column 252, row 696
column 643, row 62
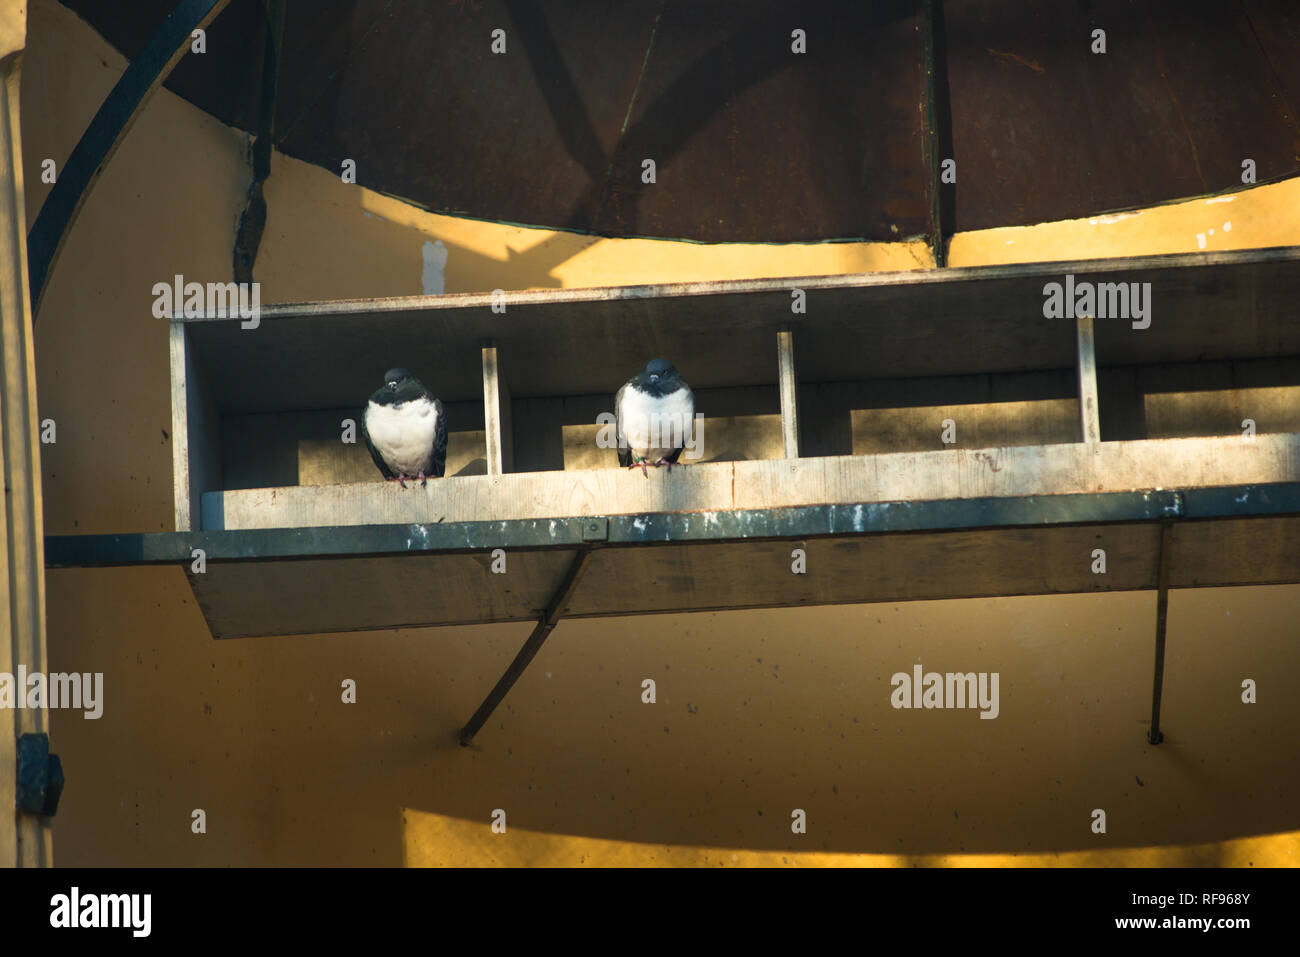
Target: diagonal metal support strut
column 96, row 146
column 545, row 625
column 1154, row 736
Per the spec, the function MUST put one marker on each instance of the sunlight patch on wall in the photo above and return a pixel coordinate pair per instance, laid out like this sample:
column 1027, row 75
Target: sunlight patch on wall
column 1255, row 218
column 437, row 840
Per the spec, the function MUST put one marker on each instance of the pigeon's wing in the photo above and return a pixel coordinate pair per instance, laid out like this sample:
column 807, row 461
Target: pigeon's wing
column 687, row 429
column 439, row 466
column 374, row 452
column 624, row 453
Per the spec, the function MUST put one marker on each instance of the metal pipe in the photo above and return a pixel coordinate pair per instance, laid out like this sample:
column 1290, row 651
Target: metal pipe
column 545, row 625
column 937, row 113
column 97, row 145
column 1154, row 736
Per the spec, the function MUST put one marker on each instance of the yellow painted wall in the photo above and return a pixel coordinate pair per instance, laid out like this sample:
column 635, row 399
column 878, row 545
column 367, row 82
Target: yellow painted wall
column 758, row 712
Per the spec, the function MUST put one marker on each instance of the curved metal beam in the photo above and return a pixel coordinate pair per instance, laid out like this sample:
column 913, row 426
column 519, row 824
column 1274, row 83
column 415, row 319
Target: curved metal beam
column 105, row 132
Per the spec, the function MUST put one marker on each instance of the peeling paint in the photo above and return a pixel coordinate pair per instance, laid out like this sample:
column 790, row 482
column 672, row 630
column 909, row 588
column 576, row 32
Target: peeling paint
column 432, row 279
column 1110, row 220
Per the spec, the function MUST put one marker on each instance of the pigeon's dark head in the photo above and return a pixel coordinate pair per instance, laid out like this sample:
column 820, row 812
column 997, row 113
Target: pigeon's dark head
column 399, row 387
column 658, row 378
column 657, row 369
column 394, row 379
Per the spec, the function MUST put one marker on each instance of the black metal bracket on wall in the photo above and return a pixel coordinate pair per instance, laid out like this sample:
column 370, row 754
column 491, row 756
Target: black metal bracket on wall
column 594, row 530
column 111, row 123
column 40, row 776
column 252, row 222
column 1154, row 735
column 937, row 115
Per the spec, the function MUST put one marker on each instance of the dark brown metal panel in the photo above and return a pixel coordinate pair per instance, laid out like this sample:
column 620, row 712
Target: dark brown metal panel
column 225, row 81
column 1274, row 25
column 1044, row 129
column 428, row 112
column 755, row 142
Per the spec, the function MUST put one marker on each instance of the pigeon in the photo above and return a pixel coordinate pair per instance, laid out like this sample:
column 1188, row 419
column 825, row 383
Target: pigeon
column 405, row 429
column 654, row 412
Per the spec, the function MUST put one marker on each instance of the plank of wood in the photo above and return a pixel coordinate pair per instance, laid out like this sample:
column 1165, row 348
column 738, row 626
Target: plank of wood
column 981, row 425
column 886, row 325
column 243, row 599
column 1247, row 551
column 717, row 439
column 865, row 569
column 789, row 391
column 1089, row 412
column 899, row 477
column 1222, row 412
column 496, row 413
column 25, row 839
column 247, row 599
column 183, row 505
column 196, row 431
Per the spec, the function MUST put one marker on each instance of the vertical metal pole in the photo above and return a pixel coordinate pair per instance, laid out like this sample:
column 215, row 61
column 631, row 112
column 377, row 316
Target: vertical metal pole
column 937, row 116
column 1154, row 736
column 24, row 838
column 252, row 222
column 789, row 391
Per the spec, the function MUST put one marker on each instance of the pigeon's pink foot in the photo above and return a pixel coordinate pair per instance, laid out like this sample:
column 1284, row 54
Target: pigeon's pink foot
column 424, row 481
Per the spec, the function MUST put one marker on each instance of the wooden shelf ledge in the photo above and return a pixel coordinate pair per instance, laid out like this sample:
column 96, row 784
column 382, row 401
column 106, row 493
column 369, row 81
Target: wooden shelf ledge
column 899, row 477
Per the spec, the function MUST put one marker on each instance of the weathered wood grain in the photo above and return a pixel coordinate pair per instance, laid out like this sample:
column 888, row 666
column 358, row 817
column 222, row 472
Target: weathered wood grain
column 910, row 476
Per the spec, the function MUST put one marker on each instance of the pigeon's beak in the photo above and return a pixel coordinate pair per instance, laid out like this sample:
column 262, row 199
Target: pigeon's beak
column 654, row 377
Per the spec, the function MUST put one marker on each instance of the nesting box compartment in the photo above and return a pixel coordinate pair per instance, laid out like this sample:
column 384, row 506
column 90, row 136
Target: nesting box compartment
column 921, row 435
column 814, row 390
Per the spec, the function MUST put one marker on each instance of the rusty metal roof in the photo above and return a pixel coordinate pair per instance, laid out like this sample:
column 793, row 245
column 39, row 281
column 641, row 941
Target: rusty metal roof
column 753, row 142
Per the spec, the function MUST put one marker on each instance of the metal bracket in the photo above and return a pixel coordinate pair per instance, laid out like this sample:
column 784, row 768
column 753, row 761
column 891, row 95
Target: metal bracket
column 40, row 776
column 105, row 132
column 1154, row 735
column 595, row 530
column 252, row 222
column 545, row 625
column 938, row 127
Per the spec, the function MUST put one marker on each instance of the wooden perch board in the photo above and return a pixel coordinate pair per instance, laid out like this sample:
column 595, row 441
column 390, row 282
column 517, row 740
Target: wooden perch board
column 909, row 476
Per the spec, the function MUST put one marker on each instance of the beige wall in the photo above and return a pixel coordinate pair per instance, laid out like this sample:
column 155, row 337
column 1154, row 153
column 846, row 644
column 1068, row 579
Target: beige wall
column 758, row 712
